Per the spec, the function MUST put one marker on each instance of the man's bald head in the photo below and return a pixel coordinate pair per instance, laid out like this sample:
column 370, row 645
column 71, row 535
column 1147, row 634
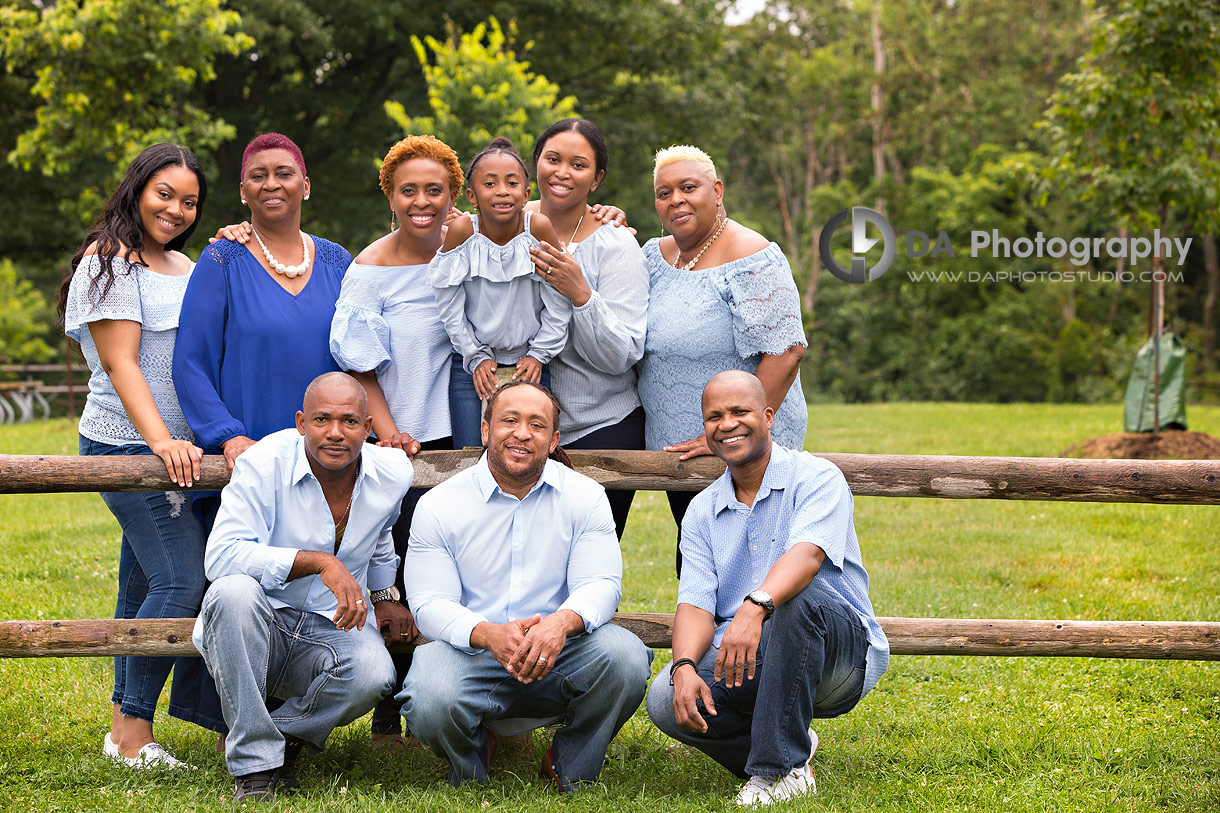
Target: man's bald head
column 336, row 386
column 746, row 385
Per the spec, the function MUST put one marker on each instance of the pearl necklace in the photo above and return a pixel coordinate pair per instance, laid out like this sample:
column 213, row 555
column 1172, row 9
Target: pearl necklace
column 289, row 271
column 678, row 257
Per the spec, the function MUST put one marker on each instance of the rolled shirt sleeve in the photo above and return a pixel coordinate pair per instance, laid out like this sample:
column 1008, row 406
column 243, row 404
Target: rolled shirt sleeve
column 240, row 542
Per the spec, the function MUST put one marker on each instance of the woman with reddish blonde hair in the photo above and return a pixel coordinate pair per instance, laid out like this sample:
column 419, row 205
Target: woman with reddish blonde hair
column 387, row 332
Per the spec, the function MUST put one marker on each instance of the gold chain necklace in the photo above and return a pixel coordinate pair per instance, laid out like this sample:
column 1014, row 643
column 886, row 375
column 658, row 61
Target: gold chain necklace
column 678, row 257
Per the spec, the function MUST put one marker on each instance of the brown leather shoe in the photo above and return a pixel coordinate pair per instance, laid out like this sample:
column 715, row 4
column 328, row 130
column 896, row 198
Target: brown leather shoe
column 550, row 772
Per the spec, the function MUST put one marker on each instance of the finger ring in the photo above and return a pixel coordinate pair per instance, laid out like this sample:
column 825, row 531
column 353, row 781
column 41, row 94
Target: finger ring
column 549, row 272
column 360, row 602
column 542, row 659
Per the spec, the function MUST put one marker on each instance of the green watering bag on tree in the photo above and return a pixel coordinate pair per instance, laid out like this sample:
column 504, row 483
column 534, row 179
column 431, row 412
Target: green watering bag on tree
column 1138, row 406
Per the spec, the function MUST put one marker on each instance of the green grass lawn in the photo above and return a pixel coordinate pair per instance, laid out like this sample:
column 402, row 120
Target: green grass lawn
column 938, row 733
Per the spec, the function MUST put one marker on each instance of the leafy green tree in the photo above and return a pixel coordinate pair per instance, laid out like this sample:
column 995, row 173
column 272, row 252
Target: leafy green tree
column 112, row 77
column 25, row 319
column 1136, row 129
column 478, row 89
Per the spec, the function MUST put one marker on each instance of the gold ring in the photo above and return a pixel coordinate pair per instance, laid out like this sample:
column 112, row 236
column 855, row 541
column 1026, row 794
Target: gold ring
column 360, row 601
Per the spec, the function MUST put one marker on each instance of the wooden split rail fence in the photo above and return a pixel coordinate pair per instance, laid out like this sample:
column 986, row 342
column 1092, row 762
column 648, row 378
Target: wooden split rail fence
column 1013, row 478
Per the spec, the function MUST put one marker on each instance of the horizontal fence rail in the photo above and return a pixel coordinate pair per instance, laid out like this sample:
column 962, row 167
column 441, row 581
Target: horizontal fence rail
column 1007, row 478
column 1162, row 640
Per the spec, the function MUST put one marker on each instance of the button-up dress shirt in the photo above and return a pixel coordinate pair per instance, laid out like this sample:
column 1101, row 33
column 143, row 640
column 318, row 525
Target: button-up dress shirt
column 479, row 554
column 273, row 507
column 729, row 547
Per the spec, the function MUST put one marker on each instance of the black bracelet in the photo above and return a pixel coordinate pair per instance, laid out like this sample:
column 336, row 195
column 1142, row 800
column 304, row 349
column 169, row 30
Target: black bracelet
column 673, row 667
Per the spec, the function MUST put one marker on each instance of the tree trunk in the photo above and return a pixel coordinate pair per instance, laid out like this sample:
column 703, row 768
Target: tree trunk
column 880, row 146
column 1212, row 265
column 1119, row 268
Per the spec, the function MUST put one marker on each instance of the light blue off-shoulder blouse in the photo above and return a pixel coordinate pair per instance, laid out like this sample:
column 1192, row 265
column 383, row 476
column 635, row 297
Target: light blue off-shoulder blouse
column 386, row 321
column 707, row 320
column 492, row 303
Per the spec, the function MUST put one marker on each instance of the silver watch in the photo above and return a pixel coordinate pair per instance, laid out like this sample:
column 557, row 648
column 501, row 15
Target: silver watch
column 763, row 599
column 388, row 594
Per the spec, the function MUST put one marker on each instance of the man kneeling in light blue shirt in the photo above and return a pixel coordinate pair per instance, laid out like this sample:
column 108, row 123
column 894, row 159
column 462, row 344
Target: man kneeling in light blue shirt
column 774, row 626
column 513, row 570
column 303, row 532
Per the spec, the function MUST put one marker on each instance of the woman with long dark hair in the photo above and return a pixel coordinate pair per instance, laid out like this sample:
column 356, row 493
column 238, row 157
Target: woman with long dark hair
column 121, row 303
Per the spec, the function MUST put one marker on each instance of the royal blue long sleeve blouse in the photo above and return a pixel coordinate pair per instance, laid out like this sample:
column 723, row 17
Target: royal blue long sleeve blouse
column 247, row 348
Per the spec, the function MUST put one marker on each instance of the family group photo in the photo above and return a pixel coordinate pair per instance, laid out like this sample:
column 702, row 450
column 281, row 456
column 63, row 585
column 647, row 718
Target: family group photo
column 539, row 405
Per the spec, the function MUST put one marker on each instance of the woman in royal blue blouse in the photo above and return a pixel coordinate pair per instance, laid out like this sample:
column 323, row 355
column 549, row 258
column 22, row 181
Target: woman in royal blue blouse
column 255, row 325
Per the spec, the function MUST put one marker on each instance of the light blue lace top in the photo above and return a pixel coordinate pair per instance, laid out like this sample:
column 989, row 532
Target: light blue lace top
column 137, row 295
column 707, row 320
column 492, row 303
column 386, row 320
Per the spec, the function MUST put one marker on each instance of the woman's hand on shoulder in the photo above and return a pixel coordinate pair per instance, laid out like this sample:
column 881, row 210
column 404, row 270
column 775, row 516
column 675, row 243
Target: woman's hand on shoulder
column 458, row 229
column 691, row 448
column 400, row 440
column 237, row 232
column 605, row 213
column 181, row 458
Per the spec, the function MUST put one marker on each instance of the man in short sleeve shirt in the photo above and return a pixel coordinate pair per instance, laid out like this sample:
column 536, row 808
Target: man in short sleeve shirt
column 513, row 571
column 774, row 626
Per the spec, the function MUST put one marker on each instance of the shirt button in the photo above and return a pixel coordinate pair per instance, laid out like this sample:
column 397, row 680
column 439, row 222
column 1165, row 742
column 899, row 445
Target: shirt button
column 756, row 547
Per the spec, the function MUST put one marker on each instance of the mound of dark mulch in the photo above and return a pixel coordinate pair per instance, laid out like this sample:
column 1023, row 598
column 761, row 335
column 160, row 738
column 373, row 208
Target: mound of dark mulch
column 1168, row 444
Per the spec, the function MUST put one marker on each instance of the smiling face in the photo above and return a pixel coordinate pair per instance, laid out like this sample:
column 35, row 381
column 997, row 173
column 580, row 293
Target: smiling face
column 498, row 188
column 688, row 201
column 519, row 433
column 737, row 419
column 273, row 186
column 335, row 423
column 168, row 204
column 421, row 197
column 567, row 170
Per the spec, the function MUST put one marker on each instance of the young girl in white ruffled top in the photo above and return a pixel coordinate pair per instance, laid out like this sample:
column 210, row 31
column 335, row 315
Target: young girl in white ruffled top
column 497, row 310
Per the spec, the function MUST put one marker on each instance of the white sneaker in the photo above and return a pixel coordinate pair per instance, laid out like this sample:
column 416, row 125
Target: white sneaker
column 110, row 748
column 154, row 756
column 761, row 790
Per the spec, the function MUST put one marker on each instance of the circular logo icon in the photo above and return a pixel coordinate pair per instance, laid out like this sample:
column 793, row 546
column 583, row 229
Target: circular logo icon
column 860, row 244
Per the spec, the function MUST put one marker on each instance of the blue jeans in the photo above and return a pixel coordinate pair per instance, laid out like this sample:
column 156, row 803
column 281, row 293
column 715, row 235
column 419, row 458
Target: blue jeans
column 465, row 407
column 325, row 676
column 810, row 664
column 160, row 576
column 596, row 684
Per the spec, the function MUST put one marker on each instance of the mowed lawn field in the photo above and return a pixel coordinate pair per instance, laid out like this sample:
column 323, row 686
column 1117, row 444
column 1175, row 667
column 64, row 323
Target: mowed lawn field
column 938, row 733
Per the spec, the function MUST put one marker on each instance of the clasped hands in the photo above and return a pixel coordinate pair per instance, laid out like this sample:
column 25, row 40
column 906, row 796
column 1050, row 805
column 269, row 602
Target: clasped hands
column 527, row 648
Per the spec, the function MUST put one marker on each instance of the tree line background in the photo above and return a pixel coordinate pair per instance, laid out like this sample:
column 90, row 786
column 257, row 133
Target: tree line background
column 1066, row 117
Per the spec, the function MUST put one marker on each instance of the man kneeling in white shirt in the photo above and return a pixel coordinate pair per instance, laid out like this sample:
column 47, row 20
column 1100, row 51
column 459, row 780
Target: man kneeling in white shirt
column 513, row 570
column 303, row 528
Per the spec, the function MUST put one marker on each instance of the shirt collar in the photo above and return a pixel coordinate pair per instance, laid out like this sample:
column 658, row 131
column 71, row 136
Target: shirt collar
column 301, row 469
column 775, row 478
column 487, row 485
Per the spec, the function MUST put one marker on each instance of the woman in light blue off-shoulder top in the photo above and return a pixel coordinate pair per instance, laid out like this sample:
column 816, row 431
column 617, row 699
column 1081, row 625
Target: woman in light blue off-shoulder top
column 721, row 297
column 387, row 332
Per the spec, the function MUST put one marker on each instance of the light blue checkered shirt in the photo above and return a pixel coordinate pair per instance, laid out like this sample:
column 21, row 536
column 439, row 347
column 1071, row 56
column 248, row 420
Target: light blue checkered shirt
column 728, row 548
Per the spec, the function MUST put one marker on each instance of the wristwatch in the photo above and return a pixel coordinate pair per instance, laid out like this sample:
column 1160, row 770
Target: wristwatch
column 763, row 599
column 388, row 594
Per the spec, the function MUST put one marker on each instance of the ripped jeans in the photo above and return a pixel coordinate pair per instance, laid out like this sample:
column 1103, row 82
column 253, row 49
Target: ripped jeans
column 160, row 576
